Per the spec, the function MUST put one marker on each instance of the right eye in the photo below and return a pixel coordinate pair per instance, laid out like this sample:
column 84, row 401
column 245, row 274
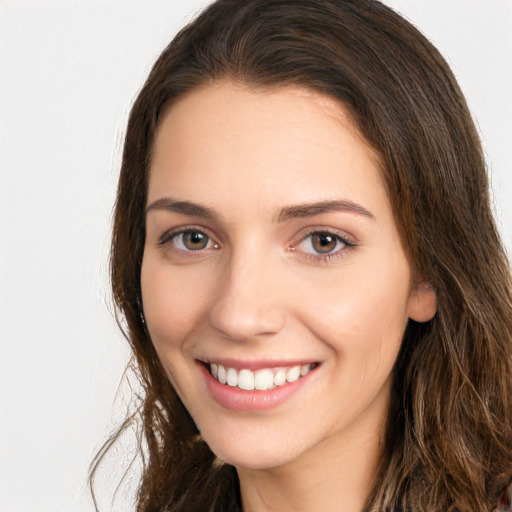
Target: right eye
column 187, row 240
column 191, row 240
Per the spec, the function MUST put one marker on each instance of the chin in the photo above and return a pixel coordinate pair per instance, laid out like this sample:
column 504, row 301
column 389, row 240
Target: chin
column 258, row 451
column 254, row 459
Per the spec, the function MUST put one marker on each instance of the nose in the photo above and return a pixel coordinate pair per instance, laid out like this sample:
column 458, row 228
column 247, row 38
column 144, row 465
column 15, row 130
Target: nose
column 250, row 300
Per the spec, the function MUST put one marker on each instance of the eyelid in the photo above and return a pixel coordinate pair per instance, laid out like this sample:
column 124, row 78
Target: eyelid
column 339, row 233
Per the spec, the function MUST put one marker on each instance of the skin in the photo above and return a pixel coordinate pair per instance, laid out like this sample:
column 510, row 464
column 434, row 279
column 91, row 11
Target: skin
column 260, row 290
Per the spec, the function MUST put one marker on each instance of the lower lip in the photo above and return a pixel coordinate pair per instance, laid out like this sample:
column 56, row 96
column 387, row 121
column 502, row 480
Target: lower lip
column 238, row 399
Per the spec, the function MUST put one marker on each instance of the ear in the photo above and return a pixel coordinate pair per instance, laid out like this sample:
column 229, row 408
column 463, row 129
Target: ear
column 422, row 304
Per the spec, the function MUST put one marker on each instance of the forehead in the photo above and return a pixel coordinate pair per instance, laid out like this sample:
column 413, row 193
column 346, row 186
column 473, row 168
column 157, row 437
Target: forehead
column 285, row 144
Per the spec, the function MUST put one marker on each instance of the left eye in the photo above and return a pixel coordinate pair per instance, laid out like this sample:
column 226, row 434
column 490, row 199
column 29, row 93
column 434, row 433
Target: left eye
column 322, row 243
column 192, row 240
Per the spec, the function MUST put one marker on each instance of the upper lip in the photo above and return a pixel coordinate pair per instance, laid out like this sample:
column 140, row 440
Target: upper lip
column 256, row 364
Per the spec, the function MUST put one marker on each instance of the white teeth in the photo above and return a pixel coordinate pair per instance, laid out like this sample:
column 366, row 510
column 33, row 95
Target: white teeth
column 221, row 374
column 280, row 377
column 262, row 379
column 246, row 380
column 293, row 374
column 232, row 377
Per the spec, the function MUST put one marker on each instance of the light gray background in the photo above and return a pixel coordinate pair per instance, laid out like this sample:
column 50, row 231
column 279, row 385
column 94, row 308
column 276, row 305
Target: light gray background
column 69, row 72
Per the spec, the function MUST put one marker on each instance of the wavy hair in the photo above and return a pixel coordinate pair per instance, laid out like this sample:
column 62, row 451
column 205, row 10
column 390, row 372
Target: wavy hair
column 449, row 434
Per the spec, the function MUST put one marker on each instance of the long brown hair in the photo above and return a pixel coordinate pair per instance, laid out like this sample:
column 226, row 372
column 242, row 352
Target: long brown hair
column 449, row 438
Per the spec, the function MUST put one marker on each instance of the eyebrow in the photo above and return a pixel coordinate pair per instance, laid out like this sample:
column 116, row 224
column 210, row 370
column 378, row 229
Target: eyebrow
column 318, row 208
column 286, row 214
column 184, row 207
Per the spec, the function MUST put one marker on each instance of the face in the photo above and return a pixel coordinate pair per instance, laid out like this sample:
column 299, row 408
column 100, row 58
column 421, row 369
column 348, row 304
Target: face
column 275, row 286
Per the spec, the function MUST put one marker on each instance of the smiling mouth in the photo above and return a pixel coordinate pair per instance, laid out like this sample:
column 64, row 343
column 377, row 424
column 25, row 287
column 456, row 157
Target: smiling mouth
column 262, row 379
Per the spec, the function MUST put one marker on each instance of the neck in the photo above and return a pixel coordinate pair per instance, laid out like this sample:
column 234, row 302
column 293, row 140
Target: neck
column 336, row 475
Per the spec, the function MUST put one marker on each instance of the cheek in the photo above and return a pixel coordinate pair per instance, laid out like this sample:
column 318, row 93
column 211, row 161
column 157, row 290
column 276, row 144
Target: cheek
column 361, row 315
column 172, row 302
column 174, row 306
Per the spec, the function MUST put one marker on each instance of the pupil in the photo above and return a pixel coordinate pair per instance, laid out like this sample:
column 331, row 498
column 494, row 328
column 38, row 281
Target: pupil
column 325, row 240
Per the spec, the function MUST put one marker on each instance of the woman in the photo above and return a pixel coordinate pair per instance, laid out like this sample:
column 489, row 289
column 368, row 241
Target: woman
column 317, row 298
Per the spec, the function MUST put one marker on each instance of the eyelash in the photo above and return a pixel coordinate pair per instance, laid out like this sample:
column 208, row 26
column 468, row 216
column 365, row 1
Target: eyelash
column 167, row 242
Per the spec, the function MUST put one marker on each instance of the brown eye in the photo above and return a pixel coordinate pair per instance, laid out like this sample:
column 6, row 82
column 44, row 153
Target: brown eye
column 187, row 242
column 194, row 240
column 323, row 243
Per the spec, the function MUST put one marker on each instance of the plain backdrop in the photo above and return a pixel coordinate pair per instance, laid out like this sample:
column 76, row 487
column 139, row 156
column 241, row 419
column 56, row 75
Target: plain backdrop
column 69, row 71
